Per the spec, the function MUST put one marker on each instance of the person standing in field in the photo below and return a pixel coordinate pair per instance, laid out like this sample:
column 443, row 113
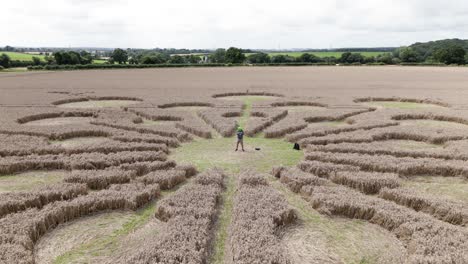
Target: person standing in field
column 240, row 138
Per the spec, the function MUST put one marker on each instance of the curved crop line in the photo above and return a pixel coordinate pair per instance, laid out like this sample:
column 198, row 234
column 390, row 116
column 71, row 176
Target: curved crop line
column 232, row 114
column 383, row 137
column 337, row 131
column 36, row 117
column 258, row 114
column 338, row 118
column 137, row 129
column 400, row 99
column 395, row 153
column 298, row 103
column 161, row 117
column 70, row 100
column 85, row 99
column 265, row 125
column 182, row 104
column 434, row 117
column 247, row 94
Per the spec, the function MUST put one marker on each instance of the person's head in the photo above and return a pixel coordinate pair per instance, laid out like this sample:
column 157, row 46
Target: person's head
column 239, row 129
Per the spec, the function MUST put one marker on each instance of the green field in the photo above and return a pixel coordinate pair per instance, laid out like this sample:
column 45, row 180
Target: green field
column 21, row 56
column 323, row 54
column 28, row 57
column 98, row 61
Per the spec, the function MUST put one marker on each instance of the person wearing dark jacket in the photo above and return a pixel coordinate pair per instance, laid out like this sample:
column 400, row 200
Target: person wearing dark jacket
column 240, row 138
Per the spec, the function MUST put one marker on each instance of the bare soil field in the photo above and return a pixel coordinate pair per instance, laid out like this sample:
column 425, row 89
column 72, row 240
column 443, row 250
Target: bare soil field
column 139, row 166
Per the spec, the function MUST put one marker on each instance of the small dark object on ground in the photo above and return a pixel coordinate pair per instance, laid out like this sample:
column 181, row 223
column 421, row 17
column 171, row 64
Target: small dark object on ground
column 257, row 148
column 296, row 146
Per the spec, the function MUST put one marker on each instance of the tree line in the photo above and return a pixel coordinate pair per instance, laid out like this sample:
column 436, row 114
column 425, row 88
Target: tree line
column 57, row 58
column 450, row 51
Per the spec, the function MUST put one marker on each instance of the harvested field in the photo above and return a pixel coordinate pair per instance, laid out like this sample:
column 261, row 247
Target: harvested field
column 399, row 105
column 148, row 122
column 83, row 141
column 188, row 108
column 98, row 104
column 454, row 188
column 246, row 97
column 143, row 168
column 60, row 244
column 59, row 121
column 300, row 108
column 435, row 123
column 402, row 103
column 29, row 180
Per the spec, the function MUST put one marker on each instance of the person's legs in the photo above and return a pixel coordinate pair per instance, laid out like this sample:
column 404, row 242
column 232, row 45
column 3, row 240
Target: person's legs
column 237, row 145
column 242, row 144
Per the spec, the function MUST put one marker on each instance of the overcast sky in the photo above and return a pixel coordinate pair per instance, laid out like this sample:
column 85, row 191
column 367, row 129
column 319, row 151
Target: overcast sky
column 220, row 23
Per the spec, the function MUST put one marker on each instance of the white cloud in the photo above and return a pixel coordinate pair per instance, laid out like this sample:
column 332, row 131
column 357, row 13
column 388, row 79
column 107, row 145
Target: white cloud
column 220, row 23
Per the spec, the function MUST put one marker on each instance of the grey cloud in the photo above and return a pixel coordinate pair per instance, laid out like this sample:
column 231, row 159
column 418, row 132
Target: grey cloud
column 214, row 23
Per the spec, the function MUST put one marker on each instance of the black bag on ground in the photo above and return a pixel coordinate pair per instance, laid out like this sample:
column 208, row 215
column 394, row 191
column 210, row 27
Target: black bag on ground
column 296, row 146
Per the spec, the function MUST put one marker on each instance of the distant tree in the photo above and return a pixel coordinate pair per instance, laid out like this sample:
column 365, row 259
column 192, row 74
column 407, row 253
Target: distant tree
column 369, row 59
column 344, row 57
column 348, row 57
column 407, row 54
column 307, row 57
column 219, row 56
column 149, row 60
column 282, row 59
column 356, row 58
column 120, row 56
column 425, row 50
column 36, row 61
column 259, row 58
column 396, row 60
column 133, row 60
column 234, row 55
column 386, row 58
column 193, row 59
column 177, row 59
column 155, row 58
column 86, row 57
column 9, row 48
column 74, row 58
column 50, row 60
column 5, row 60
column 330, row 60
column 61, row 57
column 450, row 54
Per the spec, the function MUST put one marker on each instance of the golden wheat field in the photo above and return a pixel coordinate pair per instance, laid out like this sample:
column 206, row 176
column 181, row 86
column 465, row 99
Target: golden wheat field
column 139, row 166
